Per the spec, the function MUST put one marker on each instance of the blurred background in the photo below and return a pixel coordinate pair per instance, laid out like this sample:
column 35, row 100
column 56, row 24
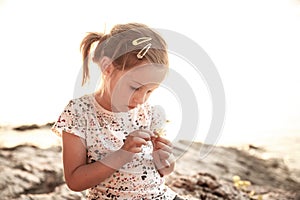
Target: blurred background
column 255, row 46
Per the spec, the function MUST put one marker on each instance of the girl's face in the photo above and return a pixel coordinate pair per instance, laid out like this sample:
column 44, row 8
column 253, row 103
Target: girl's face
column 132, row 87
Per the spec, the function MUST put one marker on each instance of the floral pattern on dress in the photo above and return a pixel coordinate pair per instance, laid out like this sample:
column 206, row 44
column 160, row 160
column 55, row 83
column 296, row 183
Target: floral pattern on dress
column 105, row 132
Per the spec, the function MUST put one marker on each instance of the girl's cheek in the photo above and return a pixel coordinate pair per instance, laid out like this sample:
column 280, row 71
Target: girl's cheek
column 126, row 96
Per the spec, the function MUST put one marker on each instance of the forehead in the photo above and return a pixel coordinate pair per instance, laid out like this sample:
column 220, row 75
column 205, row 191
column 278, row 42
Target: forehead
column 146, row 74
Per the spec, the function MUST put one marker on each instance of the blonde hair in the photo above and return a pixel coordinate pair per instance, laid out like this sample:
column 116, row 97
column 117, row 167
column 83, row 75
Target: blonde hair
column 118, row 46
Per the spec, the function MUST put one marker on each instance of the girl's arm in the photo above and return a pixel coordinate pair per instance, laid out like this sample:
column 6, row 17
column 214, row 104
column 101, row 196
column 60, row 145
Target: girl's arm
column 80, row 176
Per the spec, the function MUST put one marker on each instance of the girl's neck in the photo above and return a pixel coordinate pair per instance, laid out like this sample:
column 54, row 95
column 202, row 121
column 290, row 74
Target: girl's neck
column 103, row 99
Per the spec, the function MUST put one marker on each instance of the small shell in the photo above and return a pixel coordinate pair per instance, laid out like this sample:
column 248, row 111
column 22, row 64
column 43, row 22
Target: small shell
column 160, row 132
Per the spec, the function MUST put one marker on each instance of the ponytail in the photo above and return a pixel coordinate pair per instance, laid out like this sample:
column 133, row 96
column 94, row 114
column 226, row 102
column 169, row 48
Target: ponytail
column 85, row 47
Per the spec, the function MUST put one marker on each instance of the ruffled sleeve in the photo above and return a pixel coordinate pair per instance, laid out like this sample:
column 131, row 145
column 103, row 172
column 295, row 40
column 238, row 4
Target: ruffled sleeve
column 71, row 120
column 158, row 119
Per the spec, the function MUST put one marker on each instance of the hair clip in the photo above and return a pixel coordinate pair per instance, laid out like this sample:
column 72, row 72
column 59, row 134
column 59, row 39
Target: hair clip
column 141, row 40
column 145, row 49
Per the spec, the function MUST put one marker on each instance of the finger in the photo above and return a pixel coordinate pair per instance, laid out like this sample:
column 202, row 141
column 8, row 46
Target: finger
column 164, row 140
column 165, row 163
column 151, row 134
column 142, row 134
column 164, row 155
column 138, row 141
column 136, row 149
column 163, row 146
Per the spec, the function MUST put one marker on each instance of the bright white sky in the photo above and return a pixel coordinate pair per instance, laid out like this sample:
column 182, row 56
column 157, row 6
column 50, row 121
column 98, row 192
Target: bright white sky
column 255, row 46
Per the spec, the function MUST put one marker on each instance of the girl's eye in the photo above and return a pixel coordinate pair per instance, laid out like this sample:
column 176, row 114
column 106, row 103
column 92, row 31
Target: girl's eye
column 149, row 91
column 134, row 88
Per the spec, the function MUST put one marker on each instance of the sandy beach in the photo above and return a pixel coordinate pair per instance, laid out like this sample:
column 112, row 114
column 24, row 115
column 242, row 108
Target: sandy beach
column 32, row 168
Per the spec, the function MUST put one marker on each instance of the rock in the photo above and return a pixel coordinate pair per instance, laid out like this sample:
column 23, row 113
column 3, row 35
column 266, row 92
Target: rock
column 27, row 172
column 211, row 177
column 33, row 126
column 206, row 186
column 26, row 127
column 60, row 192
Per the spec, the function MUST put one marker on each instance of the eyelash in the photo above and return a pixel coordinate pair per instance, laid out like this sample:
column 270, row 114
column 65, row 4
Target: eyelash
column 136, row 89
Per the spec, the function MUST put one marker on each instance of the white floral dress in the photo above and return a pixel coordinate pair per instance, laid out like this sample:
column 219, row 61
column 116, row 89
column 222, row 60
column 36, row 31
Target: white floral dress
column 104, row 132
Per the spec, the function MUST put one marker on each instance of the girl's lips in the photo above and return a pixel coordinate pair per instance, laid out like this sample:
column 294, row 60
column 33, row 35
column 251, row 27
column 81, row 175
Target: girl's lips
column 131, row 107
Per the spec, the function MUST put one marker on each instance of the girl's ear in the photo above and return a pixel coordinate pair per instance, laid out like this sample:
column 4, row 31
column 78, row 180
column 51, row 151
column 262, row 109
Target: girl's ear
column 106, row 65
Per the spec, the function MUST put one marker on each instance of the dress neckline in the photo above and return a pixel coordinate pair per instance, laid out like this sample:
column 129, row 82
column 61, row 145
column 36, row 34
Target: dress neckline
column 95, row 102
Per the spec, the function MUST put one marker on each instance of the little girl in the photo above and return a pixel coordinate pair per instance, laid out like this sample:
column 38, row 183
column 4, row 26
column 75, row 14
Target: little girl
column 111, row 144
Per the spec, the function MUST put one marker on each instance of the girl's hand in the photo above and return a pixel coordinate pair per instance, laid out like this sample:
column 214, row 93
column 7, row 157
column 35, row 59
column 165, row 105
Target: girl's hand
column 135, row 140
column 162, row 152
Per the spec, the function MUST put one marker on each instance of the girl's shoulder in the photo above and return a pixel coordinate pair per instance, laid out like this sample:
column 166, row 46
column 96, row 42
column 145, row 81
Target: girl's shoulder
column 83, row 101
column 80, row 106
column 157, row 110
